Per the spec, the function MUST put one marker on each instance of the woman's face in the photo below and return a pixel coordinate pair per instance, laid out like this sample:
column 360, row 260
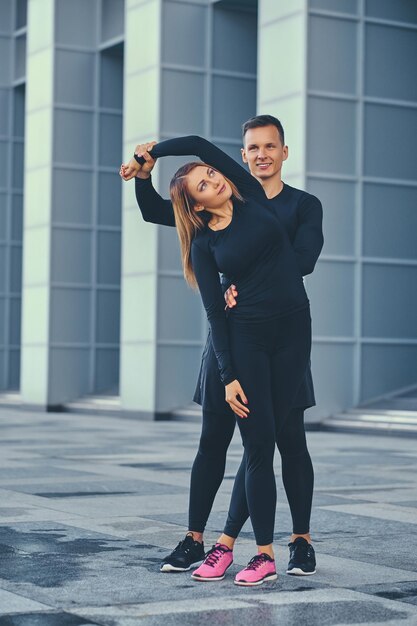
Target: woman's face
column 208, row 187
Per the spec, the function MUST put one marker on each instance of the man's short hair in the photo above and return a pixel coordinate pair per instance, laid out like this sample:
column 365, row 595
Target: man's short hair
column 263, row 120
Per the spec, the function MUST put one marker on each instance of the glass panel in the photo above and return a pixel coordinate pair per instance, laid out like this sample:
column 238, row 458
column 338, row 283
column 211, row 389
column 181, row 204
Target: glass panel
column 387, row 368
column 390, row 221
column 107, row 371
column 111, row 77
column 74, row 77
column 334, row 72
column 71, row 253
column 109, row 199
column 339, row 205
column 331, row 136
column 112, row 19
column 390, row 146
column 389, row 301
column 16, row 269
column 234, row 40
column 108, row 270
column 331, row 292
column 184, row 34
column 4, row 160
column 72, row 196
column 4, row 111
column 20, row 57
column 19, row 111
column 339, row 6
column 76, row 22
column 21, row 13
column 178, row 309
column 73, row 137
column 400, row 10
column 390, row 48
column 6, row 60
column 14, row 370
column 70, row 315
column 110, row 140
column 17, row 217
column 15, row 321
column 183, row 102
column 240, row 96
column 108, row 316
column 18, row 165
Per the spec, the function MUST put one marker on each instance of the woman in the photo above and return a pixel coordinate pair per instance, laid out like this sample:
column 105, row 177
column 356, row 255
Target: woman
column 225, row 225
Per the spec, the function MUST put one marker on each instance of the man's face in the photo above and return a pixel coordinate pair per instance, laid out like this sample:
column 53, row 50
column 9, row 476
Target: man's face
column 263, row 151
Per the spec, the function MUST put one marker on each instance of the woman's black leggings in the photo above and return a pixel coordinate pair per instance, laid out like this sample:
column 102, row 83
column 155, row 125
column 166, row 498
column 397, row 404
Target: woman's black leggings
column 270, row 360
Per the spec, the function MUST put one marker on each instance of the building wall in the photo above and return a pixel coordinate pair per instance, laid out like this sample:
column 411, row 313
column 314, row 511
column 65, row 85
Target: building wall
column 100, row 286
column 350, row 112
column 12, row 122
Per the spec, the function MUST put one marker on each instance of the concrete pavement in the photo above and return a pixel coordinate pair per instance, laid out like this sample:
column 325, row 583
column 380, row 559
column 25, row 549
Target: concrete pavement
column 89, row 505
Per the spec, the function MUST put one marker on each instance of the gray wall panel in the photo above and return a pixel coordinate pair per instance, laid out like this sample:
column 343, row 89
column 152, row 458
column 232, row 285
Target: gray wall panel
column 400, row 10
column 230, row 30
column 73, row 137
column 184, row 34
column 234, row 101
column 179, row 312
column 183, row 102
column 108, row 316
column 331, row 293
column 70, row 315
column 75, row 22
column 71, row 252
column 331, row 143
column 339, row 202
column 74, row 77
column 72, row 196
column 331, row 72
column 390, row 146
column 342, row 6
column 390, row 301
column 390, row 221
column 390, row 48
column 387, row 368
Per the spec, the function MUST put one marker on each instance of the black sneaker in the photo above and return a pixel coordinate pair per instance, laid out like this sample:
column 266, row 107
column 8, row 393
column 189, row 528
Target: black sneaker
column 187, row 553
column 302, row 558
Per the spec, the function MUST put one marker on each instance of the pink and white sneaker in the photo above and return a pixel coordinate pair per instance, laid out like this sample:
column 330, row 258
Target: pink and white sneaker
column 214, row 566
column 259, row 569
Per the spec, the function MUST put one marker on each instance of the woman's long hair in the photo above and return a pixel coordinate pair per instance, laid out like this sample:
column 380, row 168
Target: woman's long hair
column 187, row 220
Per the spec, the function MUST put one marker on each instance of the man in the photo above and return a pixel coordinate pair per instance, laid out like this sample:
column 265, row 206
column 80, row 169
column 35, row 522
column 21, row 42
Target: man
column 264, row 151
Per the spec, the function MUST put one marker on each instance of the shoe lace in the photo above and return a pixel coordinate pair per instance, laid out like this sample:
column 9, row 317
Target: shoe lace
column 301, row 550
column 257, row 561
column 181, row 547
column 213, row 555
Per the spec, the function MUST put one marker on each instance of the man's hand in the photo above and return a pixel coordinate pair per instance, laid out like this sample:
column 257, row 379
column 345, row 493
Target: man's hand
column 143, row 150
column 230, row 296
column 233, row 390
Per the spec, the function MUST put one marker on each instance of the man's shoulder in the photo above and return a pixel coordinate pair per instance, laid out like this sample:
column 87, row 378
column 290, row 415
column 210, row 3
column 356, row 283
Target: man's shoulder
column 301, row 196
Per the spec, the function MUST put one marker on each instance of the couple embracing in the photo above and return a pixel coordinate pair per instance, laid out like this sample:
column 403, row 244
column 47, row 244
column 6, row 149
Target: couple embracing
column 247, row 240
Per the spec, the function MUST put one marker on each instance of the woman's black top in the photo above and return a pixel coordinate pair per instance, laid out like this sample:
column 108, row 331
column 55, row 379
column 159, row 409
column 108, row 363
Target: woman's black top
column 253, row 251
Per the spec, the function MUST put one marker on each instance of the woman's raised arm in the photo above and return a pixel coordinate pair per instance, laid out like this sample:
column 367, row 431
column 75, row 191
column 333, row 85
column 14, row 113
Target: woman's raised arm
column 212, row 155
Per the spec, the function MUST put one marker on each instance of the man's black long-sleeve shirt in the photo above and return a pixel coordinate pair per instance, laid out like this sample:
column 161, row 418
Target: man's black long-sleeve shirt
column 253, row 251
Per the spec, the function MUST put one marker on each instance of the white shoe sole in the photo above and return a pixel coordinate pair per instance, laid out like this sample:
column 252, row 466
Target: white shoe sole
column 259, row 582
column 167, row 567
column 297, row 571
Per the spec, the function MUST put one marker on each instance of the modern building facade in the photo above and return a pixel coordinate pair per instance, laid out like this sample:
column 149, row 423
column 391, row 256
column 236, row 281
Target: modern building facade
column 92, row 298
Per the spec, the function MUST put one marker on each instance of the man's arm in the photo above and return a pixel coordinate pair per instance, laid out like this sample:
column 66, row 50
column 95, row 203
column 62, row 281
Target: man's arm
column 153, row 207
column 308, row 240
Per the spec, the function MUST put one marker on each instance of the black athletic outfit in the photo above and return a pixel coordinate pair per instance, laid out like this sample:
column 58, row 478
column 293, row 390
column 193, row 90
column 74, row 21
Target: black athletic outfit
column 264, row 343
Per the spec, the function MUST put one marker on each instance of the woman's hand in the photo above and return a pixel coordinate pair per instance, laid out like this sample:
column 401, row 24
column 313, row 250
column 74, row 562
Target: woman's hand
column 233, row 390
column 129, row 170
column 230, row 297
